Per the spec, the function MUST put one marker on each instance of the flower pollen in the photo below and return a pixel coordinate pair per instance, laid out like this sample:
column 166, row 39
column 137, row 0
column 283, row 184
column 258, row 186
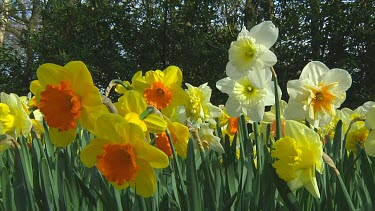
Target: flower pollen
column 60, row 106
column 118, row 163
column 158, row 95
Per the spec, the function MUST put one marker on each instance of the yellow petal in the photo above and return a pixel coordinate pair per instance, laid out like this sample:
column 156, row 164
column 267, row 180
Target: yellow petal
column 91, row 151
column 155, row 124
column 63, row 138
column 145, row 180
column 51, row 74
column 172, row 75
column 155, row 157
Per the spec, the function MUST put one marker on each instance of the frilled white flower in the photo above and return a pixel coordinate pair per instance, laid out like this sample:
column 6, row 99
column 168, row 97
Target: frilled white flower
column 317, row 94
column 209, row 140
column 251, row 50
column 249, row 95
column 199, row 106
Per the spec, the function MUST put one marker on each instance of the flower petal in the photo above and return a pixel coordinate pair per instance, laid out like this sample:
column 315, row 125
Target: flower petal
column 62, row 138
column 265, row 33
column 92, row 150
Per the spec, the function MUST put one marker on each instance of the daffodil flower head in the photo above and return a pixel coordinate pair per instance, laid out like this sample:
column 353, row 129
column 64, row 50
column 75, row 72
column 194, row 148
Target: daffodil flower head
column 131, row 105
column 370, row 124
column 317, row 94
column 249, row 95
column 13, row 117
column 208, row 139
column 180, row 136
column 199, row 105
column 299, row 154
column 122, row 155
column 67, row 96
column 357, row 134
column 251, row 50
column 162, row 89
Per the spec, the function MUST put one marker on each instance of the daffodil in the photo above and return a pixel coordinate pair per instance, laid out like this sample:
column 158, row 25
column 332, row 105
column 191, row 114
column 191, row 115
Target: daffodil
column 180, row 136
column 229, row 125
column 299, row 155
column 357, row 134
column 67, row 97
column 122, row 155
column 13, row 118
column 131, row 105
column 199, row 106
column 317, row 94
column 208, row 139
column 347, row 115
column 270, row 118
column 162, row 89
column 251, row 50
column 249, row 95
column 370, row 124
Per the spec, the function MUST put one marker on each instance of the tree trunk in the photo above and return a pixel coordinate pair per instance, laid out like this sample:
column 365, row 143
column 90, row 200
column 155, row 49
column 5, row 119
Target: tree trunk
column 4, row 16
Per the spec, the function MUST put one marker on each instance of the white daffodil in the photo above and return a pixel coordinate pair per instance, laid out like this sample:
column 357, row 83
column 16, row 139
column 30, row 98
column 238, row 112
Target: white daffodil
column 209, row 140
column 317, row 94
column 249, row 95
column 199, row 106
column 251, row 50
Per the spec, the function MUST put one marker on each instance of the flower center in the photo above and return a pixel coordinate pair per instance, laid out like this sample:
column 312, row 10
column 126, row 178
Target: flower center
column 288, row 154
column 323, row 99
column 356, row 136
column 118, row 163
column 163, row 144
column 158, row 95
column 245, row 92
column 60, row 106
column 233, row 125
column 6, row 119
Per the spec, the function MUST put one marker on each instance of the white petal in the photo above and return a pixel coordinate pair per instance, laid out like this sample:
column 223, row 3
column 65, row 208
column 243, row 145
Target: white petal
column 294, row 110
column 233, row 73
column 370, row 118
column 214, row 111
column 314, row 70
column 256, row 112
column 370, row 144
column 216, row 146
column 265, row 33
column 225, row 85
column 267, row 57
column 233, row 107
column 257, row 78
column 342, row 77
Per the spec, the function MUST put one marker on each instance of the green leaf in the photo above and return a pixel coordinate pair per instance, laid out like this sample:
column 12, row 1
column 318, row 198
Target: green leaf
column 194, row 202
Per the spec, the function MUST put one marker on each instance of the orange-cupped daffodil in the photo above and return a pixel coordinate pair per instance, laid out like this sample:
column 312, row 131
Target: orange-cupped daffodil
column 66, row 96
column 162, row 89
column 122, row 155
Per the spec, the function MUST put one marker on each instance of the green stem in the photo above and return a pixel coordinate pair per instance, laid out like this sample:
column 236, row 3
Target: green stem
column 178, row 169
column 346, row 194
column 277, row 105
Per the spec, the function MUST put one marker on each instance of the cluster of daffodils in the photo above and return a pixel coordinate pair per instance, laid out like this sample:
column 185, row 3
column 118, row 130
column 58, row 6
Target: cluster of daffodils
column 154, row 118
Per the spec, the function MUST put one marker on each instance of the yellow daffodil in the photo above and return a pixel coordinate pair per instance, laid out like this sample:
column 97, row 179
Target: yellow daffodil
column 162, row 89
column 131, row 105
column 199, row 106
column 249, row 95
column 251, row 50
column 357, row 134
column 13, row 118
column 317, row 94
column 180, row 136
column 122, row 155
column 299, row 154
column 67, row 96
